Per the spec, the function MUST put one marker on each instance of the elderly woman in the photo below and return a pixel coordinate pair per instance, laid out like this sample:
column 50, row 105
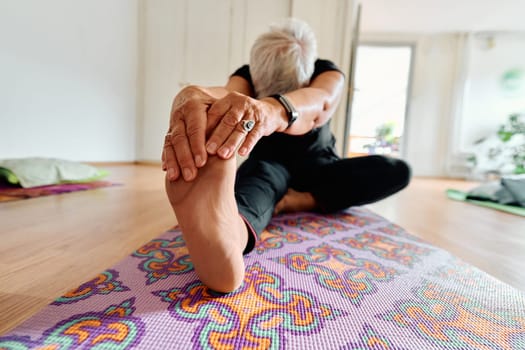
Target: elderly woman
column 277, row 110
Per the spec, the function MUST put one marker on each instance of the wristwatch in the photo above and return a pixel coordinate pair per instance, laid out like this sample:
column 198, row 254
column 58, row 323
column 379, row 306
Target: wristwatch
column 290, row 109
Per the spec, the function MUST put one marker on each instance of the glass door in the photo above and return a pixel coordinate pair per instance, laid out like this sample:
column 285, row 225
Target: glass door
column 379, row 106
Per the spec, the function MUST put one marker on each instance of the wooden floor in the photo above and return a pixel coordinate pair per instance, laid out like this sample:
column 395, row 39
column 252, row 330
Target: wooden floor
column 51, row 244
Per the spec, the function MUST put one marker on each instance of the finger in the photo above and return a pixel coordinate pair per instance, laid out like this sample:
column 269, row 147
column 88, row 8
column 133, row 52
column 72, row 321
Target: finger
column 167, row 143
column 232, row 143
column 195, row 131
column 163, row 155
column 183, row 155
column 250, row 140
column 163, row 159
column 224, row 129
column 215, row 113
column 170, row 159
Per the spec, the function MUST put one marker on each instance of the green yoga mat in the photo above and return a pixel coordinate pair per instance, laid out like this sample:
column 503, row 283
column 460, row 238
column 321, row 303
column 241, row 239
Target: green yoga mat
column 462, row 196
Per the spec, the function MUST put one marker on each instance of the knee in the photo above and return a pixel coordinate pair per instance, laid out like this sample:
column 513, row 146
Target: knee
column 273, row 172
column 404, row 173
column 401, row 172
column 396, row 170
column 270, row 174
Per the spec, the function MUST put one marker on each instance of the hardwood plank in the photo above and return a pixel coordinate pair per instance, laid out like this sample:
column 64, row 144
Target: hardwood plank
column 17, row 308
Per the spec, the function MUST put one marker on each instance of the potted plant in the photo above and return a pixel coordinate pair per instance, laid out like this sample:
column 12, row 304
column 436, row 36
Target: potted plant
column 502, row 153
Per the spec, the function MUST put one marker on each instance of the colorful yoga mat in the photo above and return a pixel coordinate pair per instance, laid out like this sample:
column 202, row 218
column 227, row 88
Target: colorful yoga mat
column 347, row 281
column 11, row 193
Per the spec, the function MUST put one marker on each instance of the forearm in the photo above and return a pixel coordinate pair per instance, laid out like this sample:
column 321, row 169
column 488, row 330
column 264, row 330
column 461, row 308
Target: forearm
column 316, row 103
column 202, row 93
column 213, row 92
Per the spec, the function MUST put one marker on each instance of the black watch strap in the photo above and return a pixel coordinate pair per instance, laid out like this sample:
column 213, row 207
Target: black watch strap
column 290, row 109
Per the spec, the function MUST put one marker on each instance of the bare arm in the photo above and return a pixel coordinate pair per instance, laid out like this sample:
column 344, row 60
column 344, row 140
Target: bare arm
column 315, row 104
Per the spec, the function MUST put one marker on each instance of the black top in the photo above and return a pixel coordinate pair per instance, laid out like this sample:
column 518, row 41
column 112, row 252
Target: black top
column 321, row 66
column 284, row 147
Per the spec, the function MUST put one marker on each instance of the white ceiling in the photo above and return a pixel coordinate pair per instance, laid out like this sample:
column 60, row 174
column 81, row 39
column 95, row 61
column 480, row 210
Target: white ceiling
column 427, row 16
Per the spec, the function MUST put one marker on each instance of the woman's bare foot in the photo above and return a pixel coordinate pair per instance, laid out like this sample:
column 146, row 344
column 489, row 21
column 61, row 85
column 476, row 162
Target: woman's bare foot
column 212, row 228
column 294, row 201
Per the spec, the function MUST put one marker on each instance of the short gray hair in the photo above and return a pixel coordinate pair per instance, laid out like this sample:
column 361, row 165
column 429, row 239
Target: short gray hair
column 283, row 58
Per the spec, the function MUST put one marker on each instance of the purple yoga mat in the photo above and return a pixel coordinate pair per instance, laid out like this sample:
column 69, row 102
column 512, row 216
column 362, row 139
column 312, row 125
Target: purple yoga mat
column 12, row 193
column 347, row 281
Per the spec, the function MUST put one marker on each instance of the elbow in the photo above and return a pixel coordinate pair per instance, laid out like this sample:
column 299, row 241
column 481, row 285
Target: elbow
column 327, row 106
column 327, row 110
column 324, row 115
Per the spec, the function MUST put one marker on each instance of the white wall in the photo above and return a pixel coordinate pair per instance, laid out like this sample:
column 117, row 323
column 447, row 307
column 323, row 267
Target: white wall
column 488, row 101
column 442, row 16
column 68, row 72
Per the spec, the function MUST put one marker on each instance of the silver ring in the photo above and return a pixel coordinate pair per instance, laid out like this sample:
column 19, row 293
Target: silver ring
column 247, row 125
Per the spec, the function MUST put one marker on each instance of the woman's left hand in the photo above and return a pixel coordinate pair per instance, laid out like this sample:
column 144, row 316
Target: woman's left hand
column 228, row 116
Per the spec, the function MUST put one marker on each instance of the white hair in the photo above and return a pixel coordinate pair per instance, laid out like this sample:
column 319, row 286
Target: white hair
column 283, row 59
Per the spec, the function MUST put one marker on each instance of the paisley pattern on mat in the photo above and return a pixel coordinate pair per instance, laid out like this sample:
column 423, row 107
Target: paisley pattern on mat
column 370, row 339
column 395, row 230
column 457, row 321
column 105, row 283
column 337, row 270
column 350, row 280
column 316, row 225
column 361, row 220
column 403, row 253
column 114, row 328
column 162, row 258
column 275, row 237
column 259, row 315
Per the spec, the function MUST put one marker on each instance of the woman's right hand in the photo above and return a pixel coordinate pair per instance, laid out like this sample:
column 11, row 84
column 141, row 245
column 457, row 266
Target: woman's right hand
column 184, row 144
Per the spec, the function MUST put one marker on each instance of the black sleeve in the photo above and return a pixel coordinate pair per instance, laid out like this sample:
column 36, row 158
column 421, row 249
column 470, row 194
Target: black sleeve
column 322, row 66
column 244, row 72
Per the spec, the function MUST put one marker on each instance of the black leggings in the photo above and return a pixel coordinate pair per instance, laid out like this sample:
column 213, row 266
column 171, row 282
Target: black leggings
column 335, row 183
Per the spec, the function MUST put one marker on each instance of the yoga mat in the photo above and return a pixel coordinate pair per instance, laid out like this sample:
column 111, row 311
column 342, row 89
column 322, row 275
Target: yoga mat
column 10, row 193
column 462, row 196
column 351, row 280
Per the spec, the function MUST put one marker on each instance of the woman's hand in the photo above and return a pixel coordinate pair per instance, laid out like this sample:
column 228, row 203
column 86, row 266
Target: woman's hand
column 225, row 118
column 184, row 145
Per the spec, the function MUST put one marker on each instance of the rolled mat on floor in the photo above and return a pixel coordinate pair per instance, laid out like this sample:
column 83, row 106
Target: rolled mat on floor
column 463, row 197
column 351, row 280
